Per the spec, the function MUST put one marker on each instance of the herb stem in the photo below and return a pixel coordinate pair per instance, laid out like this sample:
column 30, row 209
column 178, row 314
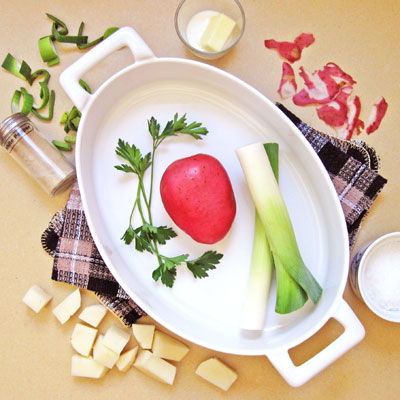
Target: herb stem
column 139, row 203
column 134, row 206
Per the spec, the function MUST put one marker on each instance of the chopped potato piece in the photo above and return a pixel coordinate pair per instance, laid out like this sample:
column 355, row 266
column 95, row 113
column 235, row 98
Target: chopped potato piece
column 87, row 367
column 217, row 373
column 126, row 359
column 93, row 314
column 155, row 367
column 82, row 338
column 103, row 354
column 144, row 335
column 167, row 347
column 68, row 307
column 36, row 298
column 116, row 338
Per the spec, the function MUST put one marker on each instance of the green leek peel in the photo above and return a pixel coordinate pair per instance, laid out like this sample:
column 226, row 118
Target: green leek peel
column 62, row 145
column 106, row 34
column 50, row 102
column 27, row 102
column 71, row 119
column 21, row 70
column 295, row 283
column 48, row 51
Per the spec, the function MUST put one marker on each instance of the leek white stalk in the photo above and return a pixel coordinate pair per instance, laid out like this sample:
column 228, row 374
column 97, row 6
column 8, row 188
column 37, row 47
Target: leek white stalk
column 259, row 280
column 275, row 218
column 262, row 265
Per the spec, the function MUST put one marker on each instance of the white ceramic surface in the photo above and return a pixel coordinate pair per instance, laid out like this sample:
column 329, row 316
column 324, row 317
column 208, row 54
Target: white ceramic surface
column 207, row 311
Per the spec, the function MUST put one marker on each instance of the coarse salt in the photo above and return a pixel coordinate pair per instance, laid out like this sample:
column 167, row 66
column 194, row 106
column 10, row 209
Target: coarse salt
column 382, row 275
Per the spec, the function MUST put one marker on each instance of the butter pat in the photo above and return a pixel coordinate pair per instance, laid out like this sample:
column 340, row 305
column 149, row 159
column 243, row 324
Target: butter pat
column 217, row 32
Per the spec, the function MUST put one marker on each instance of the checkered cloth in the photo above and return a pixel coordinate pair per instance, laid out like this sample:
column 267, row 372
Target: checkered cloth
column 78, row 262
column 352, row 165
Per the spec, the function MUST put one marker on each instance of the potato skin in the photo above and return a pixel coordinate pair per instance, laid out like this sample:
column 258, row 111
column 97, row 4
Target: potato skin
column 197, row 194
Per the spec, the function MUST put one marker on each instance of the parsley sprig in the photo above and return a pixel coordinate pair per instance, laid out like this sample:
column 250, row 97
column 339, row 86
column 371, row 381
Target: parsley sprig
column 147, row 236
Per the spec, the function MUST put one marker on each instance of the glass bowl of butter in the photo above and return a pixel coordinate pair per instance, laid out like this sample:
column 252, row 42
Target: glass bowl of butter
column 209, row 28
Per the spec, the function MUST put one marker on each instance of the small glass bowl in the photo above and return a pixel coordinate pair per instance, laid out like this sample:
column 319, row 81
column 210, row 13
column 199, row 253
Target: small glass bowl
column 189, row 8
column 368, row 290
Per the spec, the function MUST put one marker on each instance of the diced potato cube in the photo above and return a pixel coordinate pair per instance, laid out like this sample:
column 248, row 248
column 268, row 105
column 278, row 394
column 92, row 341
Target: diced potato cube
column 61, row 314
column 36, row 298
column 144, row 335
column 126, row 359
column 116, row 338
column 93, row 314
column 167, row 347
column 103, row 354
column 217, row 373
column 68, row 307
column 82, row 338
column 155, row 367
column 87, row 367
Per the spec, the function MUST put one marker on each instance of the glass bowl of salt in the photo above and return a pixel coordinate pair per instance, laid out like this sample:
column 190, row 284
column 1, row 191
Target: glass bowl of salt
column 375, row 276
column 209, row 28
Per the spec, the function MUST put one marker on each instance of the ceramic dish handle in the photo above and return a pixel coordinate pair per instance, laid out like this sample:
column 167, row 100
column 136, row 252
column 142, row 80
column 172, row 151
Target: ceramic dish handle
column 298, row 375
column 123, row 37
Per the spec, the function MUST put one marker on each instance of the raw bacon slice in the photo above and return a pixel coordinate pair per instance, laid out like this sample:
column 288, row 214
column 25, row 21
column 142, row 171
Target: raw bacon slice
column 377, row 113
column 291, row 51
column 288, row 86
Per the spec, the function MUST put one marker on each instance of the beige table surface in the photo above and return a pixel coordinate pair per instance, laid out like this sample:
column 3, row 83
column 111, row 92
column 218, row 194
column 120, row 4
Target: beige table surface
column 361, row 36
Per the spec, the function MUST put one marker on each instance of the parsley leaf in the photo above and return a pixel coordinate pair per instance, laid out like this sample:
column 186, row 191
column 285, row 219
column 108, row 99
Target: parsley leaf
column 129, row 235
column 167, row 276
column 175, row 127
column 167, row 269
column 206, row 262
column 163, row 233
column 138, row 163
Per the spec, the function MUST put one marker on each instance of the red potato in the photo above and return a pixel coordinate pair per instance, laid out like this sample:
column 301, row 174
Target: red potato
column 197, row 194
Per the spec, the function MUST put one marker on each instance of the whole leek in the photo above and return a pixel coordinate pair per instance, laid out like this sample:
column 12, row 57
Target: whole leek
column 275, row 219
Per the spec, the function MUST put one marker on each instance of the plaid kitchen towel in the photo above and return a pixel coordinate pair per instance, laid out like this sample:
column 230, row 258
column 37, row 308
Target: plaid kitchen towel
column 78, row 262
column 352, row 166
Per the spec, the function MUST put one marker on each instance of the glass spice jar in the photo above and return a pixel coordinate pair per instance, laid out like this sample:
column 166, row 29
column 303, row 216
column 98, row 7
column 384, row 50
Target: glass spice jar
column 46, row 164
